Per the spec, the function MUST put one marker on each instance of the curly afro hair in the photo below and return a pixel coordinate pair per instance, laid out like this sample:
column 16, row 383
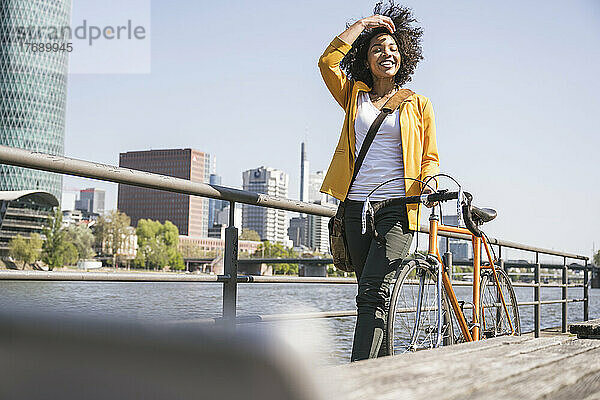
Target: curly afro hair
column 407, row 37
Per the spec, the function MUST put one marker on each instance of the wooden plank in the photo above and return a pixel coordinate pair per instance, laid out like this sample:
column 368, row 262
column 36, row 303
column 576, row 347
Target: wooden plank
column 587, row 388
column 578, row 372
column 460, row 371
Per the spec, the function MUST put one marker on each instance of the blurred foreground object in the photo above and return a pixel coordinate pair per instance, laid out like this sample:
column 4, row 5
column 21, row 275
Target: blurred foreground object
column 54, row 357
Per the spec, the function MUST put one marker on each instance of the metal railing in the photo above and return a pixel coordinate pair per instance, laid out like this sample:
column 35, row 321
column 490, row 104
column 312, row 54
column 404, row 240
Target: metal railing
column 537, row 285
column 230, row 278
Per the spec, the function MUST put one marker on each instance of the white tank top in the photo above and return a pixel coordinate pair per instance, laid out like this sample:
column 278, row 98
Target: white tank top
column 384, row 158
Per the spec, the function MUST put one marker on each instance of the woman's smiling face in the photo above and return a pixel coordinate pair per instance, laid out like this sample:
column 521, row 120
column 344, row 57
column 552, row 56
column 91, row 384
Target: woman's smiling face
column 383, row 57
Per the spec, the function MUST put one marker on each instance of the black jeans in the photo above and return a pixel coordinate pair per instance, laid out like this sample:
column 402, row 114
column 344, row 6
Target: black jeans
column 375, row 266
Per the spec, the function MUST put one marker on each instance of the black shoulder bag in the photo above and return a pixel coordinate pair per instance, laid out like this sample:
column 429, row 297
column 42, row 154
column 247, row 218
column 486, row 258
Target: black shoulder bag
column 337, row 234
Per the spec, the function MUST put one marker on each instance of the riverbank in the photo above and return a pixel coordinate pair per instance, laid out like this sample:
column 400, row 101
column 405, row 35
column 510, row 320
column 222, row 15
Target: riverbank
column 103, row 269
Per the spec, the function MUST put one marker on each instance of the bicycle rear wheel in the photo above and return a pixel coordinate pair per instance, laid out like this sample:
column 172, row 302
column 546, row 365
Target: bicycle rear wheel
column 413, row 320
column 494, row 318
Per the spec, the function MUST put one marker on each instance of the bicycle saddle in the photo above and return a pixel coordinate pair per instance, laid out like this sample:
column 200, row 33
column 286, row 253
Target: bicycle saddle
column 481, row 215
column 475, row 216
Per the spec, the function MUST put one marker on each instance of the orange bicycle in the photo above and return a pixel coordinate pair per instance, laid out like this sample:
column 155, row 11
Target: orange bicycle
column 424, row 311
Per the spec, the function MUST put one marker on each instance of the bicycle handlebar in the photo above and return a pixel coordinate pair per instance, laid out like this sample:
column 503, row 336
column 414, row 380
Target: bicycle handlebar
column 433, row 198
column 425, row 198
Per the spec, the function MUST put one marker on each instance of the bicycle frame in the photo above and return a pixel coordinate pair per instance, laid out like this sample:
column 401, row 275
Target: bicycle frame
column 434, row 228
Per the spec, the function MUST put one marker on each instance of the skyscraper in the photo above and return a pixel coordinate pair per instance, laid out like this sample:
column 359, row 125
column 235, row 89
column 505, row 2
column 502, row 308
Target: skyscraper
column 214, row 205
column 271, row 224
column 314, row 189
column 33, row 87
column 91, row 200
column 310, row 230
column 460, row 249
column 298, row 231
column 188, row 213
column 318, row 232
column 304, row 172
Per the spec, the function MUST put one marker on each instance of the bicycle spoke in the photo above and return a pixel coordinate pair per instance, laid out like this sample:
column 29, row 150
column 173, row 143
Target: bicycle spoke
column 408, row 329
column 499, row 317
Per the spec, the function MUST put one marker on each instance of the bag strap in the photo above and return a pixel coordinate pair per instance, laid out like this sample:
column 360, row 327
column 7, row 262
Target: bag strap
column 388, row 108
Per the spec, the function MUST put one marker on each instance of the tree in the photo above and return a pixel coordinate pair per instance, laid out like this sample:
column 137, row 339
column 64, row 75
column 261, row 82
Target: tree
column 111, row 233
column 276, row 250
column 18, row 249
column 597, row 258
column 157, row 245
column 333, row 271
column 191, row 250
column 170, row 237
column 35, row 248
column 157, row 256
column 249, row 234
column 146, row 232
column 82, row 238
column 59, row 248
column 67, row 253
column 53, row 247
column 26, row 250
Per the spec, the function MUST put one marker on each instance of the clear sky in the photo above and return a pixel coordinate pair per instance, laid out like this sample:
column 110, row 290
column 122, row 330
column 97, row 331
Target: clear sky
column 514, row 86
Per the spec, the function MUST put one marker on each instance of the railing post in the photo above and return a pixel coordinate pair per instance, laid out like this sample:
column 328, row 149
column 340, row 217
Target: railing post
column 230, row 266
column 536, row 297
column 502, row 266
column 565, row 280
column 585, row 292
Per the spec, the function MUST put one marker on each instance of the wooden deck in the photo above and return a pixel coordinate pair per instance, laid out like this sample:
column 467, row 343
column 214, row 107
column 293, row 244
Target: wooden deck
column 555, row 366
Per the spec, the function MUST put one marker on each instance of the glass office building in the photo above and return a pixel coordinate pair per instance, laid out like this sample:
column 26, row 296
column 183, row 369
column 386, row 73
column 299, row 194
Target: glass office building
column 33, row 87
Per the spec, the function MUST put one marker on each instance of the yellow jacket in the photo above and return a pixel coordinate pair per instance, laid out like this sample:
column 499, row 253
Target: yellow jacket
column 419, row 146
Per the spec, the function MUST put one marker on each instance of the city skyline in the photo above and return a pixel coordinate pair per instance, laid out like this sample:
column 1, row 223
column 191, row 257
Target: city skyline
column 513, row 96
column 173, row 162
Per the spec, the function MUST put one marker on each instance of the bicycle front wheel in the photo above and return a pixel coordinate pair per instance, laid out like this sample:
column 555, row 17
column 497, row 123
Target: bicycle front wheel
column 414, row 322
column 498, row 310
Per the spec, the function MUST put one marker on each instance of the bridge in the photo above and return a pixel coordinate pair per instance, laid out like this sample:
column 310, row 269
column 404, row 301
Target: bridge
column 259, row 266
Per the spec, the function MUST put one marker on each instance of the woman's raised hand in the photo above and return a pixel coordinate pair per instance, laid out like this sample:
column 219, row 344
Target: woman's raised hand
column 376, row 21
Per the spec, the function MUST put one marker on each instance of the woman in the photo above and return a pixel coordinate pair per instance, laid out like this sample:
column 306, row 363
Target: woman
column 363, row 67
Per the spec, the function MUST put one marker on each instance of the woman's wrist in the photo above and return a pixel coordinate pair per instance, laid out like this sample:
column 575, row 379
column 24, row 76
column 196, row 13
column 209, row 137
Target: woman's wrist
column 374, row 21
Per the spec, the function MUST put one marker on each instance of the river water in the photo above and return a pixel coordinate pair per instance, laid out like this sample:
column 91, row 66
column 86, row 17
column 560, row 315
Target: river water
column 329, row 339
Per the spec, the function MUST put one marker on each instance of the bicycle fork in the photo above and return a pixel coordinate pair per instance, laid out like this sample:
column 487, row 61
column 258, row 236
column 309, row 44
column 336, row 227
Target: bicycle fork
column 440, row 320
column 415, row 332
column 440, row 323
